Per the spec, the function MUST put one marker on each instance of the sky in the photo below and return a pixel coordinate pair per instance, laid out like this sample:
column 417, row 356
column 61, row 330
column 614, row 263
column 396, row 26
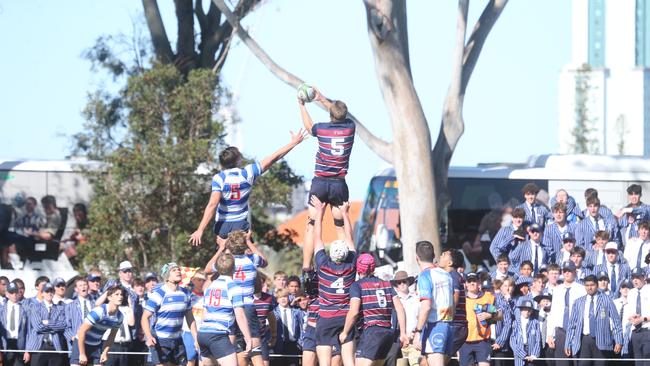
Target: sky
column 510, row 111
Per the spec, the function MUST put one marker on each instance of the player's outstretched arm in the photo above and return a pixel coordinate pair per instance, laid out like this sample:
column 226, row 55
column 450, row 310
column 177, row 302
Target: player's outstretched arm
column 242, row 323
column 318, row 223
column 209, row 267
column 320, row 98
column 350, row 318
column 296, row 138
column 208, row 213
column 307, row 121
column 347, row 226
column 401, row 320
column 254, row 249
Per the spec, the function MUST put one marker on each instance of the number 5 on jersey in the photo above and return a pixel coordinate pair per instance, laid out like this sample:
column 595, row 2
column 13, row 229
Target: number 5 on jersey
column 337, row 148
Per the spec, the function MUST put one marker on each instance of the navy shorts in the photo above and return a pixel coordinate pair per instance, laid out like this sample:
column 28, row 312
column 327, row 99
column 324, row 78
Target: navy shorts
column 374, row 343
column 459, row 335
column 223, row 228
column 474, row 352
column 168, row 350
column 309, row 339
column 215, row 345
column 93, row 353
column 328, row 330
column 252, row 320
column 437, row 338
column 330, row 190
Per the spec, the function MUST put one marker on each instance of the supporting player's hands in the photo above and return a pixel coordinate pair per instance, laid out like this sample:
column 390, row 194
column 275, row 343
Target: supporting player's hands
column 345, row 207
column 151, row 341
column 221, row 242
column 342, row 337
column 318, row 205
column 195, row 238
column 299, row 136
column 318, row 96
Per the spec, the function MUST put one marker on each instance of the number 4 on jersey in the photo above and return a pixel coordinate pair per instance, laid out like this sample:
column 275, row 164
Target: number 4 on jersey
column 339, row 285
column 240, row 275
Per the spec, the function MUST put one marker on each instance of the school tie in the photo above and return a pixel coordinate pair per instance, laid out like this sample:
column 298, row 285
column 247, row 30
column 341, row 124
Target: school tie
column 123, row 332
column 565, row 321
column 622, row 309
column 285, row 326
column 12, row 318
column 602, row 258
column 592, row 318
column 638, row 301
column 638, row 256
column 613, row 279
column 536, row 249
column 532, row 213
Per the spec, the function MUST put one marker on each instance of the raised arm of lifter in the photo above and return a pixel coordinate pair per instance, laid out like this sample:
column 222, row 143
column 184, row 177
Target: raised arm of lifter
column 296, row 138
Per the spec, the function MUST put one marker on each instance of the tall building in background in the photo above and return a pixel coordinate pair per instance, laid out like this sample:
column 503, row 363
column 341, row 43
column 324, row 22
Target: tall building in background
column 613, row 38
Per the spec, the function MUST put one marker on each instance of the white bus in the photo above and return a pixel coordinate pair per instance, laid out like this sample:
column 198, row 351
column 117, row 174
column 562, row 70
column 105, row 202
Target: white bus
column 478, row 191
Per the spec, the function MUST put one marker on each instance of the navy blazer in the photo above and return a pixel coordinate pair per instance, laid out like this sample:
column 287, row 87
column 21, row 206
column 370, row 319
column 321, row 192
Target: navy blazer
column 297, row 317
column 606, row 334
column 623, row 273
column 56, row 325
column 585, row 231
column 23, row 325
column 534, row 340
column 523, row 252
column 74, row 317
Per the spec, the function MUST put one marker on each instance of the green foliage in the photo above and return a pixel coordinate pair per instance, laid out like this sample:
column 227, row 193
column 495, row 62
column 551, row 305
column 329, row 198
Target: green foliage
column 582, row 133
column 152, row 135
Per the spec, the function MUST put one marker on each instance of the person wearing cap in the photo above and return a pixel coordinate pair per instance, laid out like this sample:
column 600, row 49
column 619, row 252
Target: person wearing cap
column 595, row 328
column 526, row 338
column 536, row 213
column 531, row 250
column 637, row 249
column 374, row 299
column 47, row 323
column 196, row 299
column 59, row 292
column 564, row 254
column 87, row 347
column 505, row 302
column 76, row 311
column 246, row 265
column 637, row 312
column 336, row 273
column 564, row 296
column 170, row 304
column 596, row 253
column 522, row 287
column 14, row 322
column 94, row 279
column 401, row 284
column 593, row 222
column 617, row 271
column 556, row 230
column 621, row 303
column 544, row 301
column 481, row 312
column 223, row 304
column 507, row 237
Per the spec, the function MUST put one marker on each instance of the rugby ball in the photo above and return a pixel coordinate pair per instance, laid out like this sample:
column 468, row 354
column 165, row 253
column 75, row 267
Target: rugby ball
column 306, row 93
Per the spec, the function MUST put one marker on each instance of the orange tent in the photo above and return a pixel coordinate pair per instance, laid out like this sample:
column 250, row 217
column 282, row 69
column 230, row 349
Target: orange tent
column 298, row 223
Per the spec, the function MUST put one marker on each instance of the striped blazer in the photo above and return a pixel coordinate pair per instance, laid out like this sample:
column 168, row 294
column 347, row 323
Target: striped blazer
column 38, row 330
column 74, row 317
column 534, row 340
column 542, row 213
column 573, row 212
column 552, row 238
column 623, row 273
column 503, row 328
column 608, row 324
column 23, row 326
column 523, row 252
column 502, row 242
column 585, row 231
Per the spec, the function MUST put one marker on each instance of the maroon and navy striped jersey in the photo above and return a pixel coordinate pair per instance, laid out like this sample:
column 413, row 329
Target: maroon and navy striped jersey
column 263, row 306
column 335, row 140
column 376, row 301
column 334, row 281
column 312, row 310
column 458, row 282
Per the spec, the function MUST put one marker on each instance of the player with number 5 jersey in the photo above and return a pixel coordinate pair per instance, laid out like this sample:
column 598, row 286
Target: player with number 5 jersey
column 335, row 140
column 232, row 187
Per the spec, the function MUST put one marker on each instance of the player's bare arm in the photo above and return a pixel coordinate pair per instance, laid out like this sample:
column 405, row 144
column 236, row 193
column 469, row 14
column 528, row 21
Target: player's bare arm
column 318, row 223
column 350, row 319
column 296, row 138
column 307, row 121
column 208, row 214
column 253, row 248
column 347, row 226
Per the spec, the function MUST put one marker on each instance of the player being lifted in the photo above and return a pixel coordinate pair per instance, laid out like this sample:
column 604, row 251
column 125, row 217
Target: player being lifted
column 335, row 140
column 375, row 300
column 231, row 188
column 336, row 274
column 244, row 277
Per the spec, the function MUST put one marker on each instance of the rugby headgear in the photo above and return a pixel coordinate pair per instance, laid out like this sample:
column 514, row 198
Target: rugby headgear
column 338, row 250
column 365, row 264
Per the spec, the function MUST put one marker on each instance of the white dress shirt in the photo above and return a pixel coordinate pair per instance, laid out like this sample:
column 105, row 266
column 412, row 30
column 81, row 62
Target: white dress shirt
column 631, row 252
column 286, row 313
column 556, row 316
column 13, row 333
column 630, row 308
column 411, row 305
column 585, row 319
column 524, row 333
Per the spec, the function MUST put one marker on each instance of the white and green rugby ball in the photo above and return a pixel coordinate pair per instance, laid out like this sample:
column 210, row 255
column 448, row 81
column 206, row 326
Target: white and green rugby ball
column 306, row 93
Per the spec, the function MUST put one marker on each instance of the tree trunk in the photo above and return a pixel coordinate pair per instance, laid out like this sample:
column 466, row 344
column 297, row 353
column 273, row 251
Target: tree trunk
column 411, row 136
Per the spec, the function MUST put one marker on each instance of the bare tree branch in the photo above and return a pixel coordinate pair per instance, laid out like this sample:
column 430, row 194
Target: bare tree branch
column 185, row 41
column 382, row 148
column 156, row 27
column 477, row 39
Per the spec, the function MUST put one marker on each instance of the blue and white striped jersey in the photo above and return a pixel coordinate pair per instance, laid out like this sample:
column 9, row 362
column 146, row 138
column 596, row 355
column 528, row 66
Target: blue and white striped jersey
column 101, row 321
column 235, row 186
column 219, row 302
column 245, row 273
column 170, row 308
